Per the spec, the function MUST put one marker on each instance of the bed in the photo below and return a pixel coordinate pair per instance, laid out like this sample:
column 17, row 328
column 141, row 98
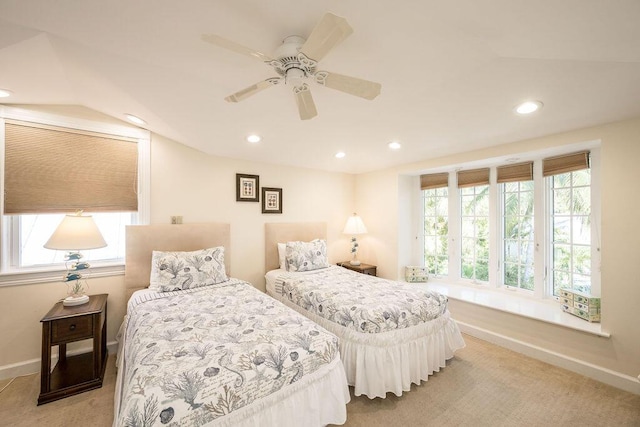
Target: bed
column 222, row 353
column 392, row 334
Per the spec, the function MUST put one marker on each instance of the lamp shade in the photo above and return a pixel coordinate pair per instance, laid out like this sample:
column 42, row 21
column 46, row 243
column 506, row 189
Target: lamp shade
column 354, row 225
column 76, row 232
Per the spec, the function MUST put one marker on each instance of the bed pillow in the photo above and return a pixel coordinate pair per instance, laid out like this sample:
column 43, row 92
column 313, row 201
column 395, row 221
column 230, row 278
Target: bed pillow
column 306, row 256
column 282, row 254
column 173, row 271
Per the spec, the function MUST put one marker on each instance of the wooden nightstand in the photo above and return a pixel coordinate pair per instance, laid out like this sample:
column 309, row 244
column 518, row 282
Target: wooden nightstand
column 82, row 372
column 362, row 268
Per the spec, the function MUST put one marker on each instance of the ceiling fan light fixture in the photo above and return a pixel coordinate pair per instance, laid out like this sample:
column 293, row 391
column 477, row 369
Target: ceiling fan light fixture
column 394, row 145
column 528, row 107
column 340, row 154
column 5, row 93
column 254, row 138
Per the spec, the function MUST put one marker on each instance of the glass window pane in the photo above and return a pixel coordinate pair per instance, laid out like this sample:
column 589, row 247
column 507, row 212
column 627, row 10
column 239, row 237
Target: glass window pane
column 467, row 270
column 562, row 180
column 561, row 229
column 429, row 225
column 482, row 270
column 467, row 204
column 581, row 230
column 562, row 257
column 511, row 274
column 526, row 278
column 582, row 259
column 562, row 201
column 581, row 178
column 582, row 201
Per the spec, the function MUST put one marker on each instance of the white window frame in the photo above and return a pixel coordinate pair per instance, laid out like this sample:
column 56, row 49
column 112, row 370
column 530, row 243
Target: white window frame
column 541, row 215
column 424, row 234
column 8, row 227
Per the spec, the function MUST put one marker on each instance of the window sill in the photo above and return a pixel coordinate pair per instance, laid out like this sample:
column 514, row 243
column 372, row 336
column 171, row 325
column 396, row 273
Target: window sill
column 546, row 311
column 30, row 277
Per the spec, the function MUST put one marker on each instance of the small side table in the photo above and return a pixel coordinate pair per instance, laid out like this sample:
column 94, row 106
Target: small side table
column 82, row 372
column 362, row 268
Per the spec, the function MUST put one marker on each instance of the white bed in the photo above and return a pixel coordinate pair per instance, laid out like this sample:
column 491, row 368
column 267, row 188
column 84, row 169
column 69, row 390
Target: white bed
column 224, row 354
column 381, row 350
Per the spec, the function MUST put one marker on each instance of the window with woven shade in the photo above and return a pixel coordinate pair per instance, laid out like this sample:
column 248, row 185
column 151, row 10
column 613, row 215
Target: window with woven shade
column 435, row 198
column 60, row 170
column 56, row 165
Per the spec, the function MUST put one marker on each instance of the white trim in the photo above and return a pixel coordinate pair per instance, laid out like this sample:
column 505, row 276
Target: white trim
column 32, row 366
column 30, row 277
column 598, row 373
column 518, row 303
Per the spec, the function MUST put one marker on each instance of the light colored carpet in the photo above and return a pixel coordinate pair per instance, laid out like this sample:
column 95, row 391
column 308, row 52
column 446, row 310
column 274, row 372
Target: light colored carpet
column 483, row 385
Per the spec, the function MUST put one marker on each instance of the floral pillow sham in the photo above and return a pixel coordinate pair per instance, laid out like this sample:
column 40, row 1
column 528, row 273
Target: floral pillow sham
column 174, row 271
column 306, row 256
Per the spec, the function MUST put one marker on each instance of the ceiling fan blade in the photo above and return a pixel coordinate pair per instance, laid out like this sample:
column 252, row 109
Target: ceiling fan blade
column 306, row 106
column 235, row 47
column 351, row 85
column 328, row 33
column 253, row 89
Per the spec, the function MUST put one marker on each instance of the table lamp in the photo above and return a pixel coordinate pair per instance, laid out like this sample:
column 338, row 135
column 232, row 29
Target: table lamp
column 354, row 226
column 75, row 232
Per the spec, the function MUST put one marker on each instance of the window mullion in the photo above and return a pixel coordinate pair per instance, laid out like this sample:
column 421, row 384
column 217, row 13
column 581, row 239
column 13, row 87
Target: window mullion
column 494, row 221
column 455, row 217
column 540, row 230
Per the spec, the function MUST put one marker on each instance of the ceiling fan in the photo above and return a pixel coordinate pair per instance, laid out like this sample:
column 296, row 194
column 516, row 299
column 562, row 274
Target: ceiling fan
column 296, row 60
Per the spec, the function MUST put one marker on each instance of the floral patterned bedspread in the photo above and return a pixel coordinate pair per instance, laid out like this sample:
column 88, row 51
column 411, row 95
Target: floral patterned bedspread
column 360, row 302
column 196, row 355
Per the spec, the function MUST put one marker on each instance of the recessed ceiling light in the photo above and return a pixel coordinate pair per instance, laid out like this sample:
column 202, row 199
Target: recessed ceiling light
column 134, row 119
column 4, row 93
column 340, row 154
column 254, row 138
column 528, row 107
column 395, row 145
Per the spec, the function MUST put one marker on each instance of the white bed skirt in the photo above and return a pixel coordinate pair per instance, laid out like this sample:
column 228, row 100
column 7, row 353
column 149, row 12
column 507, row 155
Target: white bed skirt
column 391, row 361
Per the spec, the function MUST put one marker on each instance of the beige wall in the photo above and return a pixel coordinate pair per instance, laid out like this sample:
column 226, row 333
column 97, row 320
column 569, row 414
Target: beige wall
column 379, row 193
column 201, row 188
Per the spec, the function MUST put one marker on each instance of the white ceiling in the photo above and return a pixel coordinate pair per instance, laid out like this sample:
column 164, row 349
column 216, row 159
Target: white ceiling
column 451, row 72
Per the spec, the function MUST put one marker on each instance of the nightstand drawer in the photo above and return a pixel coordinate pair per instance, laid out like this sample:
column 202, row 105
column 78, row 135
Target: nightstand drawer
column 72, row 329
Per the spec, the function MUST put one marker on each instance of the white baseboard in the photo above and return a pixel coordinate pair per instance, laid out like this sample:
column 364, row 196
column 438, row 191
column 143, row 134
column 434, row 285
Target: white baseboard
column 32, row 366
column 607, row 376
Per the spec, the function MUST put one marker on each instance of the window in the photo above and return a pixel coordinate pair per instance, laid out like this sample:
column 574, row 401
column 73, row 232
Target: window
column 517, row 234
column 532, row 229
column 436, row 230
column 33, row 230
column 474, row 209
column 32, row 212
column 570, row 251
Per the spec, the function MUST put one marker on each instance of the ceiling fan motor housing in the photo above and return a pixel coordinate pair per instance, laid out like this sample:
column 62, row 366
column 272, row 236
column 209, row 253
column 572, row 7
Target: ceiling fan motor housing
column 289, row 63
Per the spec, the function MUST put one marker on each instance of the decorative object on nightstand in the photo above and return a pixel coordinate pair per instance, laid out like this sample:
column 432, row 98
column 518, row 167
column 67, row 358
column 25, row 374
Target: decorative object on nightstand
column 81, row 372
column 367, row 269
column 76, row 232
column 354, row 226
column 416, row 274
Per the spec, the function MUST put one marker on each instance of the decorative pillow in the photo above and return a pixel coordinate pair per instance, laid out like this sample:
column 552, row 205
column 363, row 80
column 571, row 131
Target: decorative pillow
column 306, row 256
column 173, row 271
column 282, row 254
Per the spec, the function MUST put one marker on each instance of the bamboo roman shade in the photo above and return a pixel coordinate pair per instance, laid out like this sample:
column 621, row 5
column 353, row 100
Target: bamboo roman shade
column 434, row 180
column 516, row 172
column 473, row 177
column 59, row 170
column 565, row 163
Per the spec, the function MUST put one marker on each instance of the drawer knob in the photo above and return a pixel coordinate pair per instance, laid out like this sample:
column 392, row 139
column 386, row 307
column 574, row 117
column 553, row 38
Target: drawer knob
column 72, row 327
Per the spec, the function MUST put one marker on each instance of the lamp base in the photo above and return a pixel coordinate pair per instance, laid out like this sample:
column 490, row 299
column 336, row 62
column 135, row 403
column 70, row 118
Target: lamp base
column 354, row 262
column 71, row 301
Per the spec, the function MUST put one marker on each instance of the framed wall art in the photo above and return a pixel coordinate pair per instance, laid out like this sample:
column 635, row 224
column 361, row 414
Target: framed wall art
column 247, row 188
column 271, row 200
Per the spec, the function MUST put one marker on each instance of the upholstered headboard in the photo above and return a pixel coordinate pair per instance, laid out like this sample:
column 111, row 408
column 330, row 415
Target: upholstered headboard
column 281, row 232
column 142, row 240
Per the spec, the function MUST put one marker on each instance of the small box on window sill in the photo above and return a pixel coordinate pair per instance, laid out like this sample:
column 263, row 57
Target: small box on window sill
column 416, row 274
column 579, row 304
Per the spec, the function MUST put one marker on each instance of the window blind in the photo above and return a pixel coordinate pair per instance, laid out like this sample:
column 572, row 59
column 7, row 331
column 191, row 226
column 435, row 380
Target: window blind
column 473, row 177
column 434, row 180
column 515, row 172
column 60, row 170
column 565, row 163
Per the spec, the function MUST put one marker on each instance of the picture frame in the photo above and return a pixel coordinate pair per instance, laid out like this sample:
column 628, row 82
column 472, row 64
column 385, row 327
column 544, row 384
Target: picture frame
column 271, row 200
column 247, row 188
